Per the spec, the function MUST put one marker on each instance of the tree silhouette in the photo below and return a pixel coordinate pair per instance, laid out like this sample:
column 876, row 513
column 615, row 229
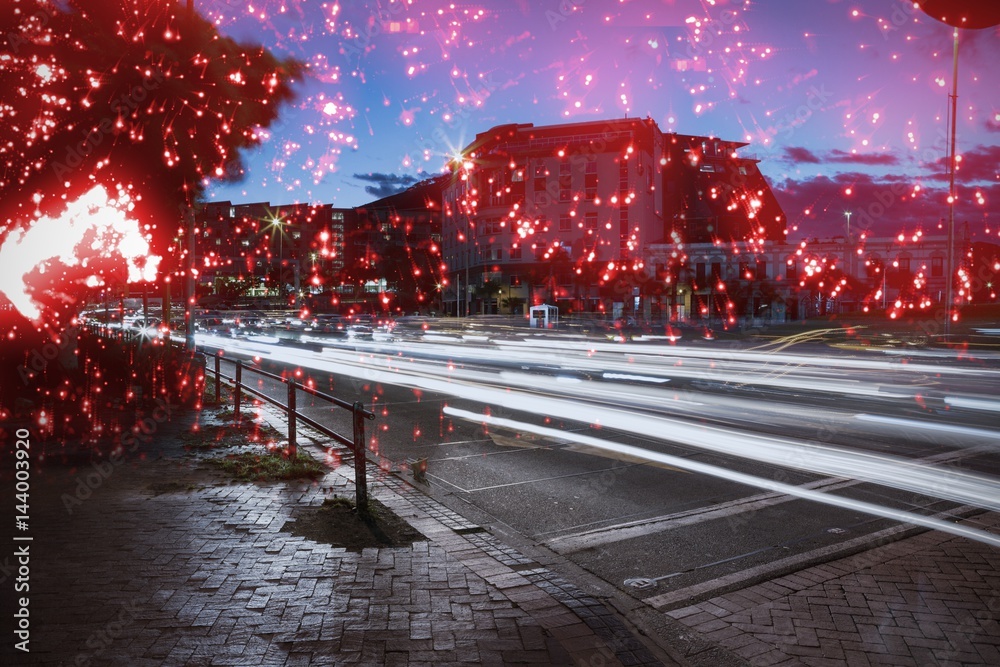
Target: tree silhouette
column 134, row 93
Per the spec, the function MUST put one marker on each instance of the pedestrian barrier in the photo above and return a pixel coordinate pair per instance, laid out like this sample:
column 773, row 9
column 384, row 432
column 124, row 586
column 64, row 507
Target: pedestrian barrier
column 358, row 413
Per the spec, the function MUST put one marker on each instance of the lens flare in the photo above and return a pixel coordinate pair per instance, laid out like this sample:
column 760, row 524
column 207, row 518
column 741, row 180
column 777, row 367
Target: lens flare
column 92, row 228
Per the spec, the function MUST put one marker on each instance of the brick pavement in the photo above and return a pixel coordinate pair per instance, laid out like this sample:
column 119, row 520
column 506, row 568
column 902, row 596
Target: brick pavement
column 166, row 563
column 933, row 599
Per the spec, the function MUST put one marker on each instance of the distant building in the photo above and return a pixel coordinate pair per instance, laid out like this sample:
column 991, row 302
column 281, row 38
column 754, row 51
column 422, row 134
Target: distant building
column 394, row 250
column 250, row 250
column 535, row 214
column 781, row 281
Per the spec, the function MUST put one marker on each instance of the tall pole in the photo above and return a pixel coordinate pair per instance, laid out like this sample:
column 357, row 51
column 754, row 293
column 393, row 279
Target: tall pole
column 950, row 268
column 468, row 255
column 189, row 284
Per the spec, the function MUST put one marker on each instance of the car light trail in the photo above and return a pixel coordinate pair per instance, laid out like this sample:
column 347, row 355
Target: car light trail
column 531, row 394
column 741, row 478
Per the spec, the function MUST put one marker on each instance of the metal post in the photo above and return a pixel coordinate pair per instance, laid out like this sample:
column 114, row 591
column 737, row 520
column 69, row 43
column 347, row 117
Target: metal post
column 950, row 263
column 360, row 460
column 190, row 286
column 218, row 379
column 292, row 451
column 239, row 387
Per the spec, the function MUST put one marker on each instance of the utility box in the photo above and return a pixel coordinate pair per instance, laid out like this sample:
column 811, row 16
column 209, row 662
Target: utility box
column 544, row 316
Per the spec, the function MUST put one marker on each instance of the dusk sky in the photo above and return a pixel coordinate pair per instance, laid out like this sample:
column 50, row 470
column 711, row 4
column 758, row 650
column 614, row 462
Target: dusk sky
column 845, row 103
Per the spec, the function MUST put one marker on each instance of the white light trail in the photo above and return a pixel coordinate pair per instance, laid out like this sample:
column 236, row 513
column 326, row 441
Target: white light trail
column 741, row 478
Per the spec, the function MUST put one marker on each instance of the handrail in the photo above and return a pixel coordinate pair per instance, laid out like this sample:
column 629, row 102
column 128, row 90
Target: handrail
column 358, row 412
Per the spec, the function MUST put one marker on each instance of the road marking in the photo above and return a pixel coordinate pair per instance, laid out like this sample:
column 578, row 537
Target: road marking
column 567, row 544
column 873, row 509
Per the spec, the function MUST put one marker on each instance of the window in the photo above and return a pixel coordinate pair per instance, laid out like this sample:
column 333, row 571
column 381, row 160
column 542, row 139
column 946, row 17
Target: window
column 937, row 267
column 515, row 252
column 716, row 271
column 517, row 176
column 904, row 264
column 496, row 255
column 565, row 182
column 590, row 220
column 761, row 270
column 540, row 171
column 699, row 273
column 791, row 271
column 565, row 222
column 590, row 180
column 515, row 281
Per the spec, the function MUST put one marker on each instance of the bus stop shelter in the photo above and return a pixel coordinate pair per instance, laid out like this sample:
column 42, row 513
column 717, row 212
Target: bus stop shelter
column 544, row 316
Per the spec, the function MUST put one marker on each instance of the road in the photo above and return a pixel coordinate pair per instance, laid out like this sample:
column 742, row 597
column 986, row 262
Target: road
column 657, row 466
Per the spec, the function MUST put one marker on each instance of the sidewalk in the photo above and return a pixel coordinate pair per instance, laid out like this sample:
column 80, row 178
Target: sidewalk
column 933, row 599
column 165, row 562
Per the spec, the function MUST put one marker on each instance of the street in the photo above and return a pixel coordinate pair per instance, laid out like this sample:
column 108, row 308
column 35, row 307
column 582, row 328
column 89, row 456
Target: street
column 661, row 466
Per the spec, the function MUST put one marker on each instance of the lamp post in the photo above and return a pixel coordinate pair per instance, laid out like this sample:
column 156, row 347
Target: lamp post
column 847, row 214
column 970, row 15
column 189, row 284
column 279, row 223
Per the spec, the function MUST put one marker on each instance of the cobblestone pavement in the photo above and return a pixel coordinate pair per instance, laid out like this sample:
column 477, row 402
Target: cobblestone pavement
column 164, row 562
column 933, row 599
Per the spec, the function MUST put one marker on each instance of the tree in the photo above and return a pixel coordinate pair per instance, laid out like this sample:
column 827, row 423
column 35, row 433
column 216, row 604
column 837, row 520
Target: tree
column 486, row 292
column 156, row 103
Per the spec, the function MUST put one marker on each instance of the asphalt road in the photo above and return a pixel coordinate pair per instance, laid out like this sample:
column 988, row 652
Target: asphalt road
column 659, row 466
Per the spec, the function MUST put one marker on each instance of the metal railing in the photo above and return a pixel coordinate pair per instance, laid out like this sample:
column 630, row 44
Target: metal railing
column 359, row 414
column 357, row 409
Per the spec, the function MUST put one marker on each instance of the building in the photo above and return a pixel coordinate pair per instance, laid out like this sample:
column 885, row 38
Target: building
column 256, row 249
column 394, row 251
column 727, row 285
column 559, row 213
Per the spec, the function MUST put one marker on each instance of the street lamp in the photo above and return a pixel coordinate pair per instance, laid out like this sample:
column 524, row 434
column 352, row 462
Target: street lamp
column 848, row 215
column 970, row 15
column 276, row 221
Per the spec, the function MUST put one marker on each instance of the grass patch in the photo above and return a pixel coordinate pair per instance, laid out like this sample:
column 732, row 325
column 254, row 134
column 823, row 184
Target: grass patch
column 270, row 466
column 230, row 435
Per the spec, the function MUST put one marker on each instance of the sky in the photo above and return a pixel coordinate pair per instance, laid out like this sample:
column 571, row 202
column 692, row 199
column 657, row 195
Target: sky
column 844, row 103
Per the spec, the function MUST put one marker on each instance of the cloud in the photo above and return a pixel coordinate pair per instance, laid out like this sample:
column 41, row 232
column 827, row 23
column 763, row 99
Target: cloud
column 980, row 164
column 799, row 154
column 386, row 184
column 803, row 155
column 882, row 206
column 844, row 157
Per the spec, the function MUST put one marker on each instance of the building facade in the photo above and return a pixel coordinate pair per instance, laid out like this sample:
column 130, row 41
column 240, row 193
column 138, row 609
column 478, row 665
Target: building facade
column 256, row 249
column 553, row 214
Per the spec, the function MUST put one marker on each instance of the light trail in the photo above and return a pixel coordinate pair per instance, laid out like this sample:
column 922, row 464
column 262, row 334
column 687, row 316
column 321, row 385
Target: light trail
column 559, row 401
column 740, row 478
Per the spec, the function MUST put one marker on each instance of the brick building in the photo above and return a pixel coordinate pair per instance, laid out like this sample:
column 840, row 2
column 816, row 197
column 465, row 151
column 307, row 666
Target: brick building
column 549, row 213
